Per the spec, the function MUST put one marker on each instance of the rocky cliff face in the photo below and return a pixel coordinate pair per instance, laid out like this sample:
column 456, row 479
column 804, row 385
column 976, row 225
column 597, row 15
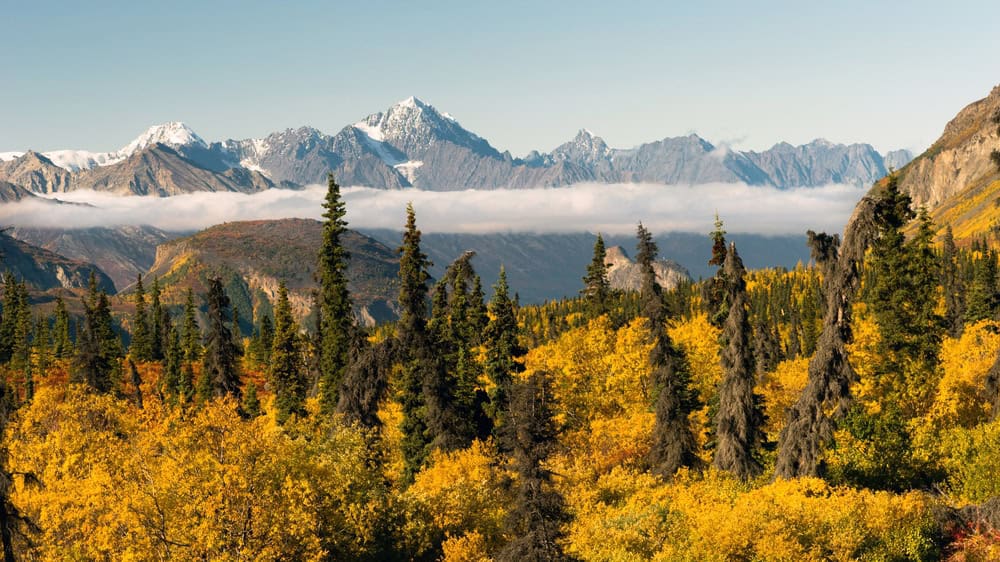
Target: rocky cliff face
column 959, row 162
column 43, row 270
column 122, row 252
column 624, row 274
column 10, row 193
column 36, row 173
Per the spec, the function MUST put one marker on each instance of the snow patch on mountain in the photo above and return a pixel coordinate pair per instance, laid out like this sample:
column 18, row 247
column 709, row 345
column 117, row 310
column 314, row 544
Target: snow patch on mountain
column 76, row 160
column 409, row 169
column 175, row 134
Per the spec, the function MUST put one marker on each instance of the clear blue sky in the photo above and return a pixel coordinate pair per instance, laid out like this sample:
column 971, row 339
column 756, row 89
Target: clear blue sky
column 525, row 75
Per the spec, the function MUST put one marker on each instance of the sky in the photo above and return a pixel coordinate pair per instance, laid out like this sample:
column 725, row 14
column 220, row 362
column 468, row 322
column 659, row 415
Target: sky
column 523, row 74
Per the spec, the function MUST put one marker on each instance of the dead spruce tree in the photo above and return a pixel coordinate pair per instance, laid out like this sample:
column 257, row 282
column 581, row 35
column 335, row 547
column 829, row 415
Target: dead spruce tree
column 828, row 389
column 741, row 416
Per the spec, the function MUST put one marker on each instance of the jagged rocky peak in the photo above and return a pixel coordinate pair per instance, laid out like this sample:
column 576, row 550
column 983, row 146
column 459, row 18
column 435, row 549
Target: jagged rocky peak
column 585, row 147
column 412, row 126
column 616, row 256
column 624, row 274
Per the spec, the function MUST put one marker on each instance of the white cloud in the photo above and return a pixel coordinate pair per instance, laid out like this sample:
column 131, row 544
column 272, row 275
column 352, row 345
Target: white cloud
column 611, row 208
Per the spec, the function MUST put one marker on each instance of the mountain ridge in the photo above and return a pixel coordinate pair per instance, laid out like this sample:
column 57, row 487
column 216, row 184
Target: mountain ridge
column 412, row 144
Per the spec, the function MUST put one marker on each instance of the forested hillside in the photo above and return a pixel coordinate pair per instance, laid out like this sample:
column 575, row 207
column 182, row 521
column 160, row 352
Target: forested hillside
column 837, row 411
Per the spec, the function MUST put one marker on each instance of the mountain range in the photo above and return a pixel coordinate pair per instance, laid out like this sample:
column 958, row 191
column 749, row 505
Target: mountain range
column 413, row 145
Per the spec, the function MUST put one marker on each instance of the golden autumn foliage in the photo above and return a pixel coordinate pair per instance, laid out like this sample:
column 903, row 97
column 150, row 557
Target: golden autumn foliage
column 961, row 393
column 459, row 494
column 126, row 484
column 699, row 340
column 597, row 372
column 780, row 390
column 629, row 516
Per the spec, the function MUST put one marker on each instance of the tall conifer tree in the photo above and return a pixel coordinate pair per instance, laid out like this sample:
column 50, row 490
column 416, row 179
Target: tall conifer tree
column 336, row 320
column 503, row 350
column 595, row 284
column 411, row 330
column 953, row 285
column 674, row 444
column 141, row 347
column 99, row 347
column 740, row 417
column 157, row 318
column 286, row 371
column 220, row 372
column 173, row 384
column 535, row 521
column 62, row 345
column 192, row 332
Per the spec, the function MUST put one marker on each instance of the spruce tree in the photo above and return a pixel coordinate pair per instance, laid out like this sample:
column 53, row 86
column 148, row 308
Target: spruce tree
column 595, row 284
column 286, row 372
column 674, row 443
column 335, row 316
column 827, row 396
column 266, row 338
column 718, row 236
column 157, row 318
column 98, row 346
column 478, row 317
column 366, row 381
column 953, row 286
column 172, row 385
column 136, row 381
column 251, row 403
column 141, row 348
column 903, row 297
column 740, row 417
column 192, row 332
column 414, row 341
column 982, row 298
column 650, row 292
column 220, row 373
column 62, row 345
column 21, row 360
column 714, row 289
column 535, row 521
column 20, row 343
column 503, row 350
column 43, row 346
column 15, row 306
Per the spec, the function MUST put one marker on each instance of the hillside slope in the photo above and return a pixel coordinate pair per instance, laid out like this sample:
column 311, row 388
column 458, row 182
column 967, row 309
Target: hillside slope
column 43, row 270
column 253, row 257
column 957, row 178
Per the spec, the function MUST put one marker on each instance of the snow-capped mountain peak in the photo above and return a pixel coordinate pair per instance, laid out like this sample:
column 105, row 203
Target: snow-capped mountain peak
column 407, row 129
column 411, row 103
column 173, row 133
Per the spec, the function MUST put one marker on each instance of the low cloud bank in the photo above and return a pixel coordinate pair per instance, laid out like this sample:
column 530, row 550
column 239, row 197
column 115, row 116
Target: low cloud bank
column 610, row 208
